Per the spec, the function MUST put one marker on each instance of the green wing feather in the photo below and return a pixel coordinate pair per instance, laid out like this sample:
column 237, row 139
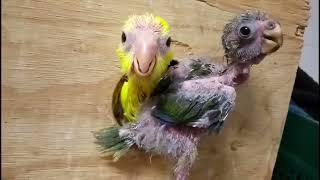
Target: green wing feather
column 110, row 142
column 202, row 110
column 176, row 108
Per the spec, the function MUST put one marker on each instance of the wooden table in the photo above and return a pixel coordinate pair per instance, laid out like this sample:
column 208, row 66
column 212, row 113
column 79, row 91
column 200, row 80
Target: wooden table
column 59, row 69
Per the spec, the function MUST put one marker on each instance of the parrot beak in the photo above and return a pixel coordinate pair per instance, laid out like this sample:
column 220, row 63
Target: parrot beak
column 145, row 55
column 272, row 37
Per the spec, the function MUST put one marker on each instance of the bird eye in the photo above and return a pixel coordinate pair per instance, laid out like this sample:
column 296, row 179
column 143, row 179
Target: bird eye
column 168, row 42
column 123, row 37
column 245, row 31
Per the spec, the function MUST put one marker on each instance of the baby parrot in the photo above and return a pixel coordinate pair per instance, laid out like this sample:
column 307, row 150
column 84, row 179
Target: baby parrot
column 195, row 96
column 144, row 54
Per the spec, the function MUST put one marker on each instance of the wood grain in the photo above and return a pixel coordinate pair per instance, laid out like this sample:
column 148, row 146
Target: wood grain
column 59, row 69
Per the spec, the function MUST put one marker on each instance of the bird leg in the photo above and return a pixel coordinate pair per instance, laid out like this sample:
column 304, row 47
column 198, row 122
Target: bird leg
column 179, row 143
column 186, row 161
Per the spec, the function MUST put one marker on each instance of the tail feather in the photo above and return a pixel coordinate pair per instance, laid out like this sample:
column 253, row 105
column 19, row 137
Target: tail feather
column 110, row 142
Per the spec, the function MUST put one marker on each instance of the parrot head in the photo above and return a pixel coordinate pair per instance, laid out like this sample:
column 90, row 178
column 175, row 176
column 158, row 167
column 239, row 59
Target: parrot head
column 248, row 38
column 145, row 54
column 144, row 51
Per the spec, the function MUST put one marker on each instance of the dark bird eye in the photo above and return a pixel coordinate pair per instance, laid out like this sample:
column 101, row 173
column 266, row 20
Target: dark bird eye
column 245, row 31
column 168, row 42
column 123, row 37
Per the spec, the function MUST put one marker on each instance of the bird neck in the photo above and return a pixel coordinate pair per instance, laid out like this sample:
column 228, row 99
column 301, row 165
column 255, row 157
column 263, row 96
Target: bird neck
column 137, row 89
column 134, row 92
column 236, row 74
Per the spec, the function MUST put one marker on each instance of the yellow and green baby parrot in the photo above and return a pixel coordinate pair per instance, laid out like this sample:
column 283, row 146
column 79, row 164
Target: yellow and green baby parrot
column 144, row 54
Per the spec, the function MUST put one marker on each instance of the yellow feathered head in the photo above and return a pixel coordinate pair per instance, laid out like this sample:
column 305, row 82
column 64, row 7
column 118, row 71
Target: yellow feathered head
column 144, row 51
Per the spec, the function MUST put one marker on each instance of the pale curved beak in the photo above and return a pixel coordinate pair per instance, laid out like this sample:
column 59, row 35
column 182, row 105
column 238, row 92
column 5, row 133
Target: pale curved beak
column 145, row 55
column 272, row 37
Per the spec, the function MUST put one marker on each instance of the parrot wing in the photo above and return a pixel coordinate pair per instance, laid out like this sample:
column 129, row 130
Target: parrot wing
column 187, row 69
column 202, row 67
column 204, row 107
column 116, row 102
